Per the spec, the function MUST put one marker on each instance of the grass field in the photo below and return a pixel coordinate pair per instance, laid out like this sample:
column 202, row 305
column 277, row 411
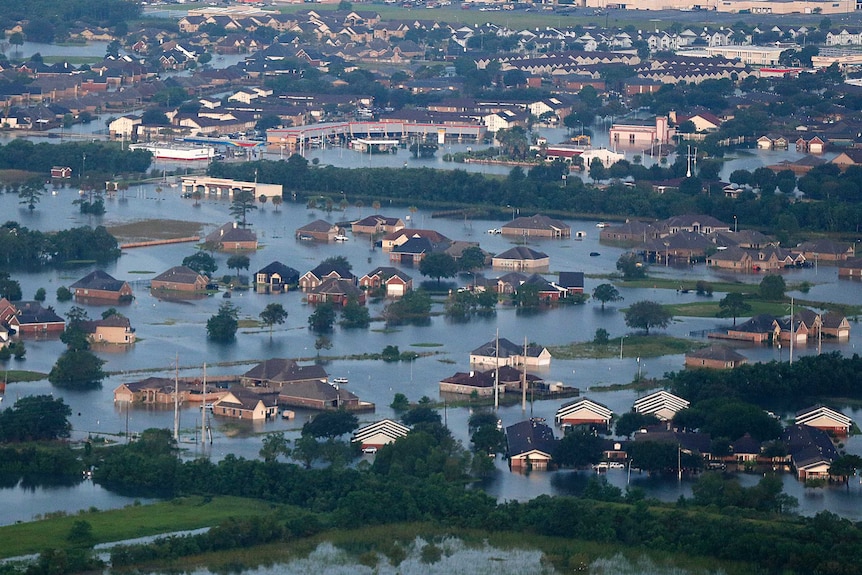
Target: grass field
column 711, row 308
column 633, row 346
column 16, row 375
column 128, row 523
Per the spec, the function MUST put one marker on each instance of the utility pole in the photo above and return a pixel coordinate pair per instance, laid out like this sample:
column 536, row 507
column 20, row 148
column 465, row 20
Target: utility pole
column 524, row 379
column 177, row 399
column 497, row 371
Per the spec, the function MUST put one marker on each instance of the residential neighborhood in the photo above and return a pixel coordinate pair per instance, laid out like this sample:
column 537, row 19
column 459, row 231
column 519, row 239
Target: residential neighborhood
column 552, row 255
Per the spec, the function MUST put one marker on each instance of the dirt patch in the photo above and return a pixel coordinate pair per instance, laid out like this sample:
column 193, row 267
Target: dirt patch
column 154, row 230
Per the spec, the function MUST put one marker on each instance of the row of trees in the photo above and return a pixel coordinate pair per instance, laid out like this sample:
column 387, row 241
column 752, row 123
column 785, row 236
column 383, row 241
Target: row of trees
column 420, row 477
column 542, row 192
column 21, row 247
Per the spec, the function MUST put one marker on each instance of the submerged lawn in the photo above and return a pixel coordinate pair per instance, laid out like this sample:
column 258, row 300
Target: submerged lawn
column 633, row 346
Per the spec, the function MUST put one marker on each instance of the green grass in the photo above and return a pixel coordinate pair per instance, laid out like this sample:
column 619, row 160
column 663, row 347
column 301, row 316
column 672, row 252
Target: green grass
column 426, row 345
column 711, row 308
column 130, row 522
column 633, row 346
column 16, row 375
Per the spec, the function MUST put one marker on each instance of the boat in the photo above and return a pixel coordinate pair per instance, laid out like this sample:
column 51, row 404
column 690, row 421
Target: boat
column 602, row 225
column 339, row 380
column 594, row 254
column 341, row 238
column 176, row 151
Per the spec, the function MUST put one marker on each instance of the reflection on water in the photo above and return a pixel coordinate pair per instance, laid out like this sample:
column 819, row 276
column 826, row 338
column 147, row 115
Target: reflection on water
column 451, row 556
column 168, row 329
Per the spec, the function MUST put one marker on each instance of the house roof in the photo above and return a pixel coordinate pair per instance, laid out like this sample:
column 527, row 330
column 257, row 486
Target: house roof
column 285, row 371
column 807, row 445
column 288, row 274
column 378, row 220
column 507, row 349
column 432, row 235
column 111, row 321
column 658, row 401
column 319, row 226
column 530, row 435
column 244, row 398
column 571, row 280
column 386, row 272
column 536, row 222
column 763, row 323
column 472, row 379
column 231, row 232
column 746, row 444
column 99, row 280
column 326, row 268
column 338, row 286
column 318, row 391
column 30, row 312
column 387, row 427
column 717, row 353
column 521, row 253
column 180, row 275
column 599, row 410
column 814, row 412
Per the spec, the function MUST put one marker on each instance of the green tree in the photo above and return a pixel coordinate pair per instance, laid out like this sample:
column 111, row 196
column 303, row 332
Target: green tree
column 273, row 445
column 400, row 403
column 606, row 293
column 238, row 262
column 16, row 39
column 74, row 335
column 272, row 314
column 631, row 421
column 80, row 534
column 201, row 262
column 733, row 305
column 243, row 203
column 438, row 265
column 9, row 288
column 77, row 369
column 597, row 170
column 472, row 258
column 64, row 294
column 355, row 314
column 321, row 343
column 223, row 325
column 306, row 450
column 322, row 318
column 579, row 448
column 40, row 295
column 631, row 267
column 647, row 314
column 31, row 193
column 331, row 424
column 35, row 418
column 602, row 337
column 772, row 287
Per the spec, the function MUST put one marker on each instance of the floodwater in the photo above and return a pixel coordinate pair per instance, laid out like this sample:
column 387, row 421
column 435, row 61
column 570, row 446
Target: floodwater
column 168, row 331
column 171, row 330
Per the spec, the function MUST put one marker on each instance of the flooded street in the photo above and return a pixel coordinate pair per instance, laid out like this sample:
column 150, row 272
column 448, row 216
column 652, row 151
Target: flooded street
column 176, row 329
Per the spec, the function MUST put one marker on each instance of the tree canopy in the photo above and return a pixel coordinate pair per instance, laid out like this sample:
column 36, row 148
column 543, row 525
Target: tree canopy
column 606, row 293
column 35, row 418
column 223, row 325
column 647, row 314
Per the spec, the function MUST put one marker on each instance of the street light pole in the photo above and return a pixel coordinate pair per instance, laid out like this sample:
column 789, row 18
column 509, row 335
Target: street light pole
column 735, row 228
column 621, row 346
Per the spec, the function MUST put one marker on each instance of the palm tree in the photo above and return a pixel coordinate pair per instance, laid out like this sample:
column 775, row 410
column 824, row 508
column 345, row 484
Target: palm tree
column 196, row 196
column 276, row 201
